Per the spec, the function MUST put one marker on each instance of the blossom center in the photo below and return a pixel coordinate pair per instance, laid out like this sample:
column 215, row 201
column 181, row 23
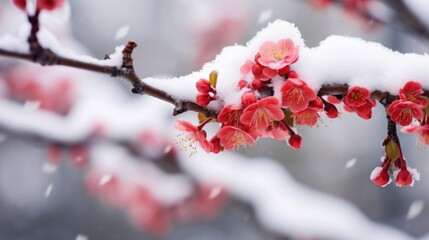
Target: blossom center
column 237, row 140
column 261, row 113
column 277, row 53
column 296, row 96
column 405, row 114
column 411, row 97
column 356, row 96
column 188, row 141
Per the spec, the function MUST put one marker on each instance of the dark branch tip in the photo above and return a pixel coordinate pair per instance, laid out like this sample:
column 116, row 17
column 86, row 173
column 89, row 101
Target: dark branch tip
column 127, row 59
column 180, row 107
column 138, row 88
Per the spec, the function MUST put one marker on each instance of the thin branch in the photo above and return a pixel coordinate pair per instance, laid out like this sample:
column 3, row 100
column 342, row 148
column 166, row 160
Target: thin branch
column 46, row 57
column 127, row 72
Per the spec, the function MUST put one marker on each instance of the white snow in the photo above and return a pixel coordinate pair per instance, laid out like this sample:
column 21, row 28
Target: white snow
column 282, row 204
column 416, row 208
column 11, row 43
column 49, row 168
column 81, row 237
column 215, row 192
column 49, row 190
column 105, row 179
column 350, row 163
column 265, row 15
column 48, row 40
column 122, row 32
column 31, row 105
column 337, row 60
column 116, row 161
column 168, row 149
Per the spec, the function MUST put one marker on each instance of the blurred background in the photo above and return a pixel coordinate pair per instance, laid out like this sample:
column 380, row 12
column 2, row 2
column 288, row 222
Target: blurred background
column 176, row 38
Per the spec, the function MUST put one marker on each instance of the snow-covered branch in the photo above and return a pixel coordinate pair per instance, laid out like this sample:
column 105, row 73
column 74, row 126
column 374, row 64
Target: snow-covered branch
column 407, row 16
column 249, row 96
column 274, row 83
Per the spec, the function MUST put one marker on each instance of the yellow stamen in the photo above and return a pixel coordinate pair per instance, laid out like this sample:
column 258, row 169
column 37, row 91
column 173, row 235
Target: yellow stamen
column 277, row 53
column 188, row 143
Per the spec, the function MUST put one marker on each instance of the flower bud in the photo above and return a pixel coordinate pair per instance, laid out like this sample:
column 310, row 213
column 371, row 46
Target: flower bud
column 331, row 110
column 203, row 85
column 21, row 4
column 333, row 100
column 404, row 178
column 257, row 69
column 293, row 74
column 49, row 4
column 216, row 147
column 257, row 84
column 203, row 99
column 257, row 56
column 242, row 84
column 295, row 141
column 248, row 98
column 380, row 176
column 316, row 103
column 284, row 70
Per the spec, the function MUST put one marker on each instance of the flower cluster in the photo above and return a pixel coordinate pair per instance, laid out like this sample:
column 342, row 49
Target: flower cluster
column 57, row 97
column 206, row 89
column 145, row 210
column 260, row 114
column 269, row 111
column 274, row 100
column 409, row 106
column 357, row 99
column 404, row 175
column 40, row 4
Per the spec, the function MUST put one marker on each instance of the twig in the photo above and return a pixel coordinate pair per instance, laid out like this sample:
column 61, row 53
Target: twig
column 46, row 57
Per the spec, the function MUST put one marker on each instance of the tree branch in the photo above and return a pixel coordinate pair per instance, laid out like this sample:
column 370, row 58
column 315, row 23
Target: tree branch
column 46, row 57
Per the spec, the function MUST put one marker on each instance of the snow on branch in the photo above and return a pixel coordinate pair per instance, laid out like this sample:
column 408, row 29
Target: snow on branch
column 341, row 67
column 275, row 83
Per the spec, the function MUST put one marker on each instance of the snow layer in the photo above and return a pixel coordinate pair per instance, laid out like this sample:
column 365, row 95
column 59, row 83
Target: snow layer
column 115, row 160
column 337, row 60
column 12, row 43
column 48, row 40
column 281, row 203
column 284, row 205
